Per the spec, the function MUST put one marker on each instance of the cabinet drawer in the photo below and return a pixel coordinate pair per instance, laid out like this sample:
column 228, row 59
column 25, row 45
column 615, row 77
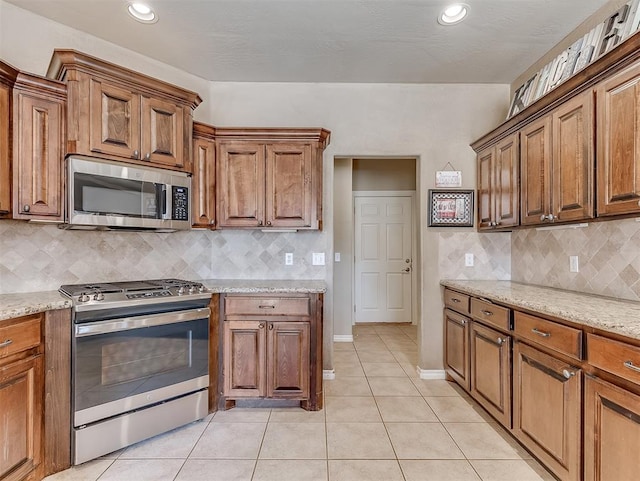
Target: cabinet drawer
column 615, row 357
column 456, row 301
column 491, row 314
column 20, row 336
column 564, row 339
column 267, row 306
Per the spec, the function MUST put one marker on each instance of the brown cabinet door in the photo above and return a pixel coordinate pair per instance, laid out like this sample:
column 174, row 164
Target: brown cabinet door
column 288, row 187
column 21, row 418
column 506, row 193
column 535, row 157
column 114, row 120
column 203, row 184
column 611, row 432
column 162, row 133
column 573, row 160
column 5, row 165
column 618, row 144
column 244, row 354
column 456, row 355
column 486, row 209
column 241, row 184
column 37, row 156
column 288, row 359
column 547, row 410
column 490, row 374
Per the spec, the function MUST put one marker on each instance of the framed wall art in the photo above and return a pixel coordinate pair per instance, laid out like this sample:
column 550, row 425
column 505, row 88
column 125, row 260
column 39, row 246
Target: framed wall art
column 450, row 208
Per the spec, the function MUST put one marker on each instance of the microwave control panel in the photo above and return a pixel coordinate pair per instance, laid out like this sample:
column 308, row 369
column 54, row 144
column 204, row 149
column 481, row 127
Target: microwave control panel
column 180, row 209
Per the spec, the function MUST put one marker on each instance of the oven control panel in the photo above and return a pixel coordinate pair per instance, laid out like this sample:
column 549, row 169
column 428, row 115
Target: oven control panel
column 149, row 294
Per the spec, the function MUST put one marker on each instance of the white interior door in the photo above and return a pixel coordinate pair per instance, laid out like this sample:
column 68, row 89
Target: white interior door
column 383, row 259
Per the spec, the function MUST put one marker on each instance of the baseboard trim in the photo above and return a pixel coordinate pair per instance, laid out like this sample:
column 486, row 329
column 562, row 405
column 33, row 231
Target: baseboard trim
column 431, row 373
column 343, row 338
column 328, row 374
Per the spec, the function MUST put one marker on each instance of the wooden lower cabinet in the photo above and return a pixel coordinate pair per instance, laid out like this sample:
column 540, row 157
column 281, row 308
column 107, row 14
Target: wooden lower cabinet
column 490, row 374
column 611, row 432
column 547, row 409
column 456, row 351
column 272, row 348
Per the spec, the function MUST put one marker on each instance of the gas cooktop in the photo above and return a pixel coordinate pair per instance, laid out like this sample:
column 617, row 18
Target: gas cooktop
column 156, row 290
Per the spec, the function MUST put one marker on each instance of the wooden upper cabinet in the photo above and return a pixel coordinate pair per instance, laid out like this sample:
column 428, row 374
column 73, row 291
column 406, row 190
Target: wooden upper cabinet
column 618, row 140
column 123, row 115
column 288, row 188
column 38, row 133
column 270, row 178
column 241, row 184
column 557, row 164
column 498, row 168
column 5, row 152
column 203, row 181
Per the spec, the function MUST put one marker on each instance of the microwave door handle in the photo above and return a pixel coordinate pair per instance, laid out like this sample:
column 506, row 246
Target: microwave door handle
column 166, row 201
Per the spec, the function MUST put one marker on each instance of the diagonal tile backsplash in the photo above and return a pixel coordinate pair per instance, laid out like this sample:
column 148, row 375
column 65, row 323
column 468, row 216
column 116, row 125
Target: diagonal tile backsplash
column 608, row 256
column 491, row 252
column 36, row 257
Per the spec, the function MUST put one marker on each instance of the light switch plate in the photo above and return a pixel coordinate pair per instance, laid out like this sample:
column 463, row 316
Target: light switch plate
column 573, row 264
column 288, row 259
column 318, row 258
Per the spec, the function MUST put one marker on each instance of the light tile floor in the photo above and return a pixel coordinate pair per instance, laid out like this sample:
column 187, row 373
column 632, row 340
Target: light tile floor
column 380, row 422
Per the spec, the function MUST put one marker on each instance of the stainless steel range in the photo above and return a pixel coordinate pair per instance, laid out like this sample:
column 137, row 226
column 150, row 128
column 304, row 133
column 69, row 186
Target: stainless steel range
column 139, row 361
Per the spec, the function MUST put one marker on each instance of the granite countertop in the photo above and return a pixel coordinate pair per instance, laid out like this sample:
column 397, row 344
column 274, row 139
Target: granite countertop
column 22, row 304
column 25, row 303
column 605, row 313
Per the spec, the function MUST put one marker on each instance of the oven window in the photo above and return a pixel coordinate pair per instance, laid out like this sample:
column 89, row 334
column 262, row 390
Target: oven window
column 114, row 366
column 111, row 195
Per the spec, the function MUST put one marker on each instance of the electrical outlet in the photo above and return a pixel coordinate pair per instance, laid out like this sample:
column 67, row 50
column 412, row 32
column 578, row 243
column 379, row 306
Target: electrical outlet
column 288, row 259
column 573, row 264
column 468, row 259
column 336, row 257
column 318, row 258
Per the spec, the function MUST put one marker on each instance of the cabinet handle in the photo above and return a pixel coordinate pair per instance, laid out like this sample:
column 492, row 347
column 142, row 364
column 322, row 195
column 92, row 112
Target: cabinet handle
column 26, row 208
column 487, row 313
column 271, row 327
column 455, row 299
column 261, row 325
column 632, row 366
column 266, row 307
column 136, row 154
column 541, row 333
column 568, row 374
column 6, row 343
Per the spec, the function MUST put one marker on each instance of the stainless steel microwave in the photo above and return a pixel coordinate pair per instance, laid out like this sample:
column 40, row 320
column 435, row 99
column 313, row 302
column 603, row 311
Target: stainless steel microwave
column 112, row 195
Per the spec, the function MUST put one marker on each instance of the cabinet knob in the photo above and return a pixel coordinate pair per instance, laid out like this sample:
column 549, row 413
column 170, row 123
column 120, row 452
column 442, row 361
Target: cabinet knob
column 501, row 341
column 259, row 222
column 212, row 222
column 568, row 374
column 136, row 154
column 148, row 156
column 261, row 325
column 26, row 208
column 271, row 327
column 268, row 222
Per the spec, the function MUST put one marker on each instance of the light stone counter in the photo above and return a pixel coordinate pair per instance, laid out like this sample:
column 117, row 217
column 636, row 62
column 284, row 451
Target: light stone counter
column 22, row 304
column 267, row 286
column 611, row 315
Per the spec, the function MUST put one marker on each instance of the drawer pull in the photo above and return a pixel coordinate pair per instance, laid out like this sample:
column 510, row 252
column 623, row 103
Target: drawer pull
column 455, row 299
column 6, row 343
column 541, row 333
column 267, row 307
column 487, row 313
column 632, row 366
column 568, row 374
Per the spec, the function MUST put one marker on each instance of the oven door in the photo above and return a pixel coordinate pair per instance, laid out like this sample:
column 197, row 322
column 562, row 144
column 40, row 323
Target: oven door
column 121, row 365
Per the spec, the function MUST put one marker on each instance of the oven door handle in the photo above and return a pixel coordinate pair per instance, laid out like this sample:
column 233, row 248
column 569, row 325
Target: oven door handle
column 139, row 322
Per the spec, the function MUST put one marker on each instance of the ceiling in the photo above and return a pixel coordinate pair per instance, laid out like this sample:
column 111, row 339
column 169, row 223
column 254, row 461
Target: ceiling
column 369, row 41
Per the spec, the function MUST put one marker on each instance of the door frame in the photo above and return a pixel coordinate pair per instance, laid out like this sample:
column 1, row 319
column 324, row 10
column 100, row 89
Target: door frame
column 414, row 246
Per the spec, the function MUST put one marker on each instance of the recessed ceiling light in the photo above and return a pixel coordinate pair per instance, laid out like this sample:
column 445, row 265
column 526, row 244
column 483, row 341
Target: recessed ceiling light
column 142, row 12
column 453, row 14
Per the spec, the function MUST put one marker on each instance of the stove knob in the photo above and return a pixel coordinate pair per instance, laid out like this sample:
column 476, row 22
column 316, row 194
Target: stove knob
column 98, row 297
column 200, row 288
column 192, row 289
column 180, row 290
column 84, row 298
